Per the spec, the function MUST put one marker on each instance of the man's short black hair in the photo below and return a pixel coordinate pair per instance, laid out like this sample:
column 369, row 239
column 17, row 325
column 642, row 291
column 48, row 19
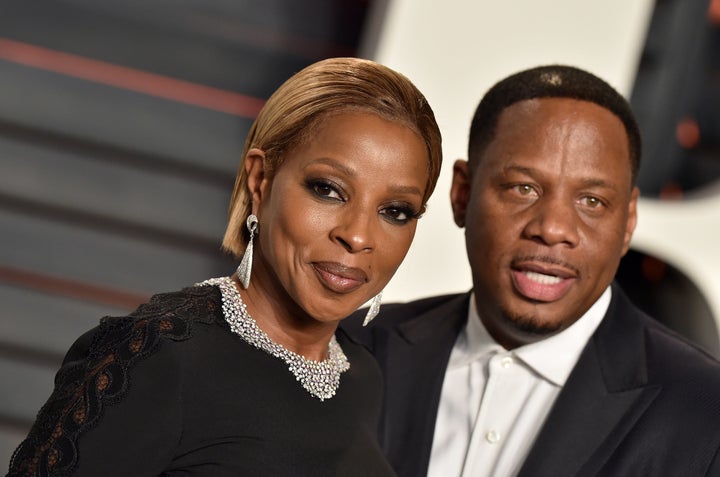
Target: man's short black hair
column 552, row 81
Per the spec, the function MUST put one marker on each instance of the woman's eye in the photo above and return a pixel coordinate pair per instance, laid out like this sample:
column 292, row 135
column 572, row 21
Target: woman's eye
column 399, row 215
column 325, row 189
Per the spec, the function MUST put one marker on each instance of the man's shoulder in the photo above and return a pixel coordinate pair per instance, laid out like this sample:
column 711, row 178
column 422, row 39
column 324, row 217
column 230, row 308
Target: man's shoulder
column 675, row 359
column 397, row 312
column 672, row 359
column 393, row 315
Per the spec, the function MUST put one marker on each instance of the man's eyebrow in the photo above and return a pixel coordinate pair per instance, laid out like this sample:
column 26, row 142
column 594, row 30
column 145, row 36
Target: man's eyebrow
column 590, row 182
column 521, row 169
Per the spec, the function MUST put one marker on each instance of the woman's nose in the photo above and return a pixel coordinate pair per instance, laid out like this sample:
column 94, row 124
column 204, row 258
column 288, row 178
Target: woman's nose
column 355, row 231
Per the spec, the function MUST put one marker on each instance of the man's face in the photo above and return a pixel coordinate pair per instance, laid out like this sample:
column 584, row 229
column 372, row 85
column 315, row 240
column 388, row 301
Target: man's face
column 548, row 210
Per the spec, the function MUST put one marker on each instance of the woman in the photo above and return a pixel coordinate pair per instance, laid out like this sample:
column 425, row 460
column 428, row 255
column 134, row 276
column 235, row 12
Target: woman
column 245, row 375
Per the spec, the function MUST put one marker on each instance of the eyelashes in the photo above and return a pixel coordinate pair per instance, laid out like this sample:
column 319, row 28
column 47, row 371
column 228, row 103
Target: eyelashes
column 400, row 214
column 395, row 212
column 325, row 188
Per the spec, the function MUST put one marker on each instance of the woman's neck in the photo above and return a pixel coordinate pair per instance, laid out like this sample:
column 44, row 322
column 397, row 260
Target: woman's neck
column 283, row 321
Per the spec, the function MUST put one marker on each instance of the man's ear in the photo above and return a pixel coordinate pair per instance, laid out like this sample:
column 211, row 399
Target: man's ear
column 631, row 220
column 460, row 191
column 257, row 179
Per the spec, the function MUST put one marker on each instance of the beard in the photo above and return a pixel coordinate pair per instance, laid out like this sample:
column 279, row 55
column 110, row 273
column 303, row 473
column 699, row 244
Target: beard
column 530, row 326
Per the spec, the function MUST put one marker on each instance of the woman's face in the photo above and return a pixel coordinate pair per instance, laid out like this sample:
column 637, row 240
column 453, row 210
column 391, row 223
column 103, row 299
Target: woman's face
column 338, row 216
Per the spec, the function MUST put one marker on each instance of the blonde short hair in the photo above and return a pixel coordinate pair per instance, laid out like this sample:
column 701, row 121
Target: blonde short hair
column 329, row 86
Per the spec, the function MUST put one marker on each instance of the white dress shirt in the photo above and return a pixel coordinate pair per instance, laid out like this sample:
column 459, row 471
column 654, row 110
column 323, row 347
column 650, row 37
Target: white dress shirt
column 494, row 401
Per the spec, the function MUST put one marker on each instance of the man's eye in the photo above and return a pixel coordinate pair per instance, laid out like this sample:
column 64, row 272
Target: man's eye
column 524, row 189
column 592, row 202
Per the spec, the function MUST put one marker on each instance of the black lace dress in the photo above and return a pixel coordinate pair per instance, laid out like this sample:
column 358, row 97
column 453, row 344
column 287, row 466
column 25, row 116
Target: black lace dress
column 170, row 390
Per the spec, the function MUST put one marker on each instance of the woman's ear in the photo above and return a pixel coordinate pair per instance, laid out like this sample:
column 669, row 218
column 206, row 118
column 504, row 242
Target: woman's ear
column 257, row 180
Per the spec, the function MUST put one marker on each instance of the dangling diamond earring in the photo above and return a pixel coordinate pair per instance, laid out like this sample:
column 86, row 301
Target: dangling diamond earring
column 245, row 267
column 374, row 309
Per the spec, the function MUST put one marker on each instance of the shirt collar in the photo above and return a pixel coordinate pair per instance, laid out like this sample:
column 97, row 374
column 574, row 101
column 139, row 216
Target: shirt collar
column 553, row 357
column 473, row 342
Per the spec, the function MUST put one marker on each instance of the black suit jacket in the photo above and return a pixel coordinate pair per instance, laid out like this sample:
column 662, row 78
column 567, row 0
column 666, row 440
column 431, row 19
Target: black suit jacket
column 640, row 401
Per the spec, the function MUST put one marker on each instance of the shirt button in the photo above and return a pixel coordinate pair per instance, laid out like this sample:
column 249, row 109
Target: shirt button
column 506, row 362
column 492, row 436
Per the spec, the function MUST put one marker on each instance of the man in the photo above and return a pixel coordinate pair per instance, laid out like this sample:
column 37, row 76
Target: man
column 545, row 368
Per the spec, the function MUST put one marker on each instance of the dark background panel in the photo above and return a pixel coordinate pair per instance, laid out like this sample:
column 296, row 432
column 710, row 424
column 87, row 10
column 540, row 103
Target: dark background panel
column 85, row 182
column 44, row 106
column 676, row 97
column 43, row 325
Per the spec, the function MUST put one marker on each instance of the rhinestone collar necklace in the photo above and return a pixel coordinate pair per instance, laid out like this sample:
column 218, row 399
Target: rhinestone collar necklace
column 320, row 378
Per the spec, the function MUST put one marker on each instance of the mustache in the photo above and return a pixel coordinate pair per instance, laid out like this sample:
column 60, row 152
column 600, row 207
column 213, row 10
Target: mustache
column 544, row 259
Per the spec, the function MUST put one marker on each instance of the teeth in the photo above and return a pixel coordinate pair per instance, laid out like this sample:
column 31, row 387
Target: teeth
column 542, row 278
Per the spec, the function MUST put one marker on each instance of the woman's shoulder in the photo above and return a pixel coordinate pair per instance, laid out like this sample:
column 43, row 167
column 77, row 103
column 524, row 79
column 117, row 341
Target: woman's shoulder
column 166, row 316
column 104, row 356
column 96, row 371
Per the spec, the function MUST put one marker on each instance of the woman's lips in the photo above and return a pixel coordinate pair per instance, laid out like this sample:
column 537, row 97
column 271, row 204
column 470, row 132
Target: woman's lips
column 339, row 278
column 542, row 282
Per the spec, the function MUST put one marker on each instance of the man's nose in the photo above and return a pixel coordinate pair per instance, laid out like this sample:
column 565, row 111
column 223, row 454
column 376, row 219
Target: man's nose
column 553, row 220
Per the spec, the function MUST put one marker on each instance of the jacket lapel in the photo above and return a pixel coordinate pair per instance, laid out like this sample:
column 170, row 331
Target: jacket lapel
column 418, row 351
column 604, row 396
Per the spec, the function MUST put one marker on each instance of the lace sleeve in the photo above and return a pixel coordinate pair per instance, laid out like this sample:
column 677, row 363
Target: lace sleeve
column 96, row 374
